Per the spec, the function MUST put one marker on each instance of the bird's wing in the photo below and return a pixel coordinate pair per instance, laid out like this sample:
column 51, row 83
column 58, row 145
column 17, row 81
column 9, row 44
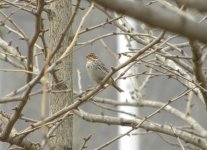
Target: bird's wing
column 103, row 67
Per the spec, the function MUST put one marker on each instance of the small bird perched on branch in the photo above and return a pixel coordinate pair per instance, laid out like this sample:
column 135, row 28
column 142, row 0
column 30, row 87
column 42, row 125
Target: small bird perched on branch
column 97, row 70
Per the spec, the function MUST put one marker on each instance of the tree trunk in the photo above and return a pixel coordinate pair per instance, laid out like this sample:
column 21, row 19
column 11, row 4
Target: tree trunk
column 60, row 12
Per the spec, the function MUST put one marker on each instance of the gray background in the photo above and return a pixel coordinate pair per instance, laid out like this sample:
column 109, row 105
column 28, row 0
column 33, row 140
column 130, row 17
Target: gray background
column 160, row 89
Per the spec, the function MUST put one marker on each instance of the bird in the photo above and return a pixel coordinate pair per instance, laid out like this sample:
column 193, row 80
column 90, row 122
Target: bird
column 97, row 70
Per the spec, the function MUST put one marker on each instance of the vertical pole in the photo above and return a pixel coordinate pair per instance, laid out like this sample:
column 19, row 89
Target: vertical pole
column 127, row 142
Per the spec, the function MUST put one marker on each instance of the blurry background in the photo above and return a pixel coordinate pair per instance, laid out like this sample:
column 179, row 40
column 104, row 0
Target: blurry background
column 159, row 88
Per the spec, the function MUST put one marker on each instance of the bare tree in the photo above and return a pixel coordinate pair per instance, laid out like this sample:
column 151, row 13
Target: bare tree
column 172, row 53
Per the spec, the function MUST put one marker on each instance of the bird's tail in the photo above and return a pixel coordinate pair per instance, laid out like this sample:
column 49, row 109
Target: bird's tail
column 117, row 88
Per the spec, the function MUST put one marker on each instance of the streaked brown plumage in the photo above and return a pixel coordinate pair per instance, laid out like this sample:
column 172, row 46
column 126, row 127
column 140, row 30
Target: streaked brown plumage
column 97, row 70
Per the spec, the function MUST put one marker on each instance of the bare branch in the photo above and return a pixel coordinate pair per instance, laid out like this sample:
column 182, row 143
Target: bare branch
column 162, row 19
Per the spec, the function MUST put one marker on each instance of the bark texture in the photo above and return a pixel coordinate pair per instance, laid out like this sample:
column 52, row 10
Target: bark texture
column 61, row 78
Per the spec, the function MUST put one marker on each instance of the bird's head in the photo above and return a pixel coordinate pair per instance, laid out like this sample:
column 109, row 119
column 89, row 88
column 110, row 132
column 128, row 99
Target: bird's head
column 91, row 57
